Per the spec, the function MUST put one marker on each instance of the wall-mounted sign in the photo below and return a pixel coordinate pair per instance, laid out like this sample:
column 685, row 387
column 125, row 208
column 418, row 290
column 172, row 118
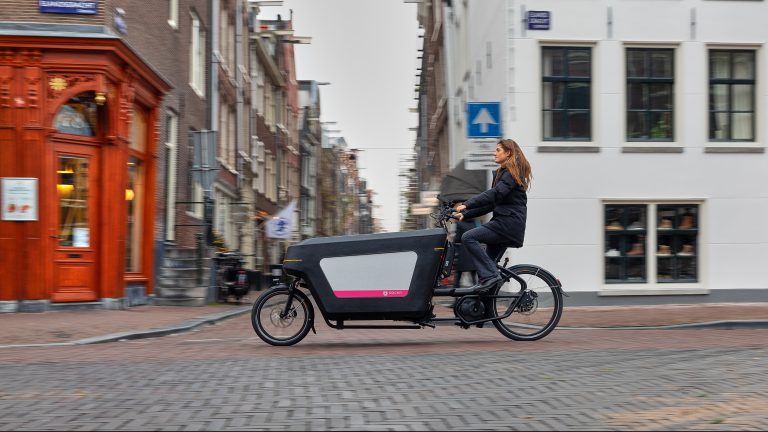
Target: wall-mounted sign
column 538, row 20
column 18, row 198
column 68, row 7
column 481, row 157
column 483, row 119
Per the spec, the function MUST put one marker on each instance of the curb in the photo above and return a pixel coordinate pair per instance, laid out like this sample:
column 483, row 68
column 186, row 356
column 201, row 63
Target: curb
column 721, row 325
column 183, row 326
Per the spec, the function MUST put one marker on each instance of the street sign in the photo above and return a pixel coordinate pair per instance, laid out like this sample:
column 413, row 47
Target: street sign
column 538, row 20
column 483, row 119
column 68, row 7
column 481, row 157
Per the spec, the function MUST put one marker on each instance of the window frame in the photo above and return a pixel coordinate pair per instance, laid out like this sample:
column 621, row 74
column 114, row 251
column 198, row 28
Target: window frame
column 173, row 14
column 136, row 230
column 566, row 79
column 646, row 81
column 652, row 284
column 171, row 163
column 730, row 82
column 197, row 55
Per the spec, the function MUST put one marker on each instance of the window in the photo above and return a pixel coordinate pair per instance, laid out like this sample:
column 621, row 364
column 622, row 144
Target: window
column 138, row 130
column 650, row 87
column 79, row 116
column 194, row 179
column 171, row 151
column 651, row 243
column 135, row 190
column 223, row 133
column 223, row 219
column 270, row 186
column 74, row 201
column 197, row 57
column 567, row 94
column 261, row 168
column 231, row 123
column 625, row 233
column 677, row 240
column 173, row 13
column 731, row 95
column 135, row 197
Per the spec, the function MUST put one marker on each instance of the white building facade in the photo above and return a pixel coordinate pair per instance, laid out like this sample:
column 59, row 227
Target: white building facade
column 645, row 124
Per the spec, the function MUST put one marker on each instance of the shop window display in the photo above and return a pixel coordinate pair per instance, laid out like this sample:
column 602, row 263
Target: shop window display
column 651, row 243
column 677, row 240
column 625, row 243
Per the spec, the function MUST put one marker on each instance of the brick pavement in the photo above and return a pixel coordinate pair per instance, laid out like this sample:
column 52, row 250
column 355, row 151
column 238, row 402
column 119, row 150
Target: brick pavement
column 222, row 377
column 68, row 326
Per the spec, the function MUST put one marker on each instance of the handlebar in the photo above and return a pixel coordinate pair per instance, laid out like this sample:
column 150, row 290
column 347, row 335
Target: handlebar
column 444, row 214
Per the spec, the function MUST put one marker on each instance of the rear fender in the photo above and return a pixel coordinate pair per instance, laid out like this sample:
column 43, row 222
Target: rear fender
column 558, row 284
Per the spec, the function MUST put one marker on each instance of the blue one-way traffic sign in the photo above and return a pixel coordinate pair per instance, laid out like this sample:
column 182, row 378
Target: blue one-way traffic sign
column 483, row 119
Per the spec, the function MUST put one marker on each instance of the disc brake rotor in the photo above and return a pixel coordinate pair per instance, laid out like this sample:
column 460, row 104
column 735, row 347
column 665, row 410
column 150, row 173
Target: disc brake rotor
column 282, row 321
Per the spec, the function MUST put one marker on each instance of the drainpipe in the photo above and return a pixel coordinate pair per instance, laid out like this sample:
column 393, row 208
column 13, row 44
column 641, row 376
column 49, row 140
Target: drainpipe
column 240, row 119
column 213, row 56
column 213, row 110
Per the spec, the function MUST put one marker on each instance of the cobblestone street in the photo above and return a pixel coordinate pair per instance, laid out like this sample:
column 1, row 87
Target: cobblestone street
column 224, row 377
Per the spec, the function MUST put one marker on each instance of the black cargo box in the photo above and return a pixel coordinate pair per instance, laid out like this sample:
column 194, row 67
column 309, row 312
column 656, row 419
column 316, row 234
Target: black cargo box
column 370, row 276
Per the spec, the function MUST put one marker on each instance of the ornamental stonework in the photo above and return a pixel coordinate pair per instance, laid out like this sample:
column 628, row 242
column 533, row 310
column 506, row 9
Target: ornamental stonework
column 30, row 57
column 57, row 83
column 7, row 56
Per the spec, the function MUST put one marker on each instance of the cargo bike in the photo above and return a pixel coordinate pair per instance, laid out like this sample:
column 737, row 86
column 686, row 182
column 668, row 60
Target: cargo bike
column 391, row 281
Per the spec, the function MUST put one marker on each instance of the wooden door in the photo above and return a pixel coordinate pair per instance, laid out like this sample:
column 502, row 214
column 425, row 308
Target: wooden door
column 76, row 252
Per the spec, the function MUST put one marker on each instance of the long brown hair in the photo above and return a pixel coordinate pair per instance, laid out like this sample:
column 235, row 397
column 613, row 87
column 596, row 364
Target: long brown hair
column 517, row 164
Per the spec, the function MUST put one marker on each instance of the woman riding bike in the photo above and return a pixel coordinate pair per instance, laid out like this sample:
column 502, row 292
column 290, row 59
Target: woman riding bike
column 507, row 200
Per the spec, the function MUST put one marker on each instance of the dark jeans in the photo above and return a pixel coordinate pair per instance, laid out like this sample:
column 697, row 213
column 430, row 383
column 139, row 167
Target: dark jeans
column 483, row 260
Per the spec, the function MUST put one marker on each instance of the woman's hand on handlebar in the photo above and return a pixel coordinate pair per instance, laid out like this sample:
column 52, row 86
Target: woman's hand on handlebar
column 458, row 215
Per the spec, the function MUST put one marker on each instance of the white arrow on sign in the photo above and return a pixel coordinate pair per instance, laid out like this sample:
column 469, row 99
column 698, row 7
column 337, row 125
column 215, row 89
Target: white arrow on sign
column 484, row 118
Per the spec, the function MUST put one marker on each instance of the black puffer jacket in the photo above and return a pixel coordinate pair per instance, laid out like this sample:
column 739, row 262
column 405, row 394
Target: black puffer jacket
column 508, row 201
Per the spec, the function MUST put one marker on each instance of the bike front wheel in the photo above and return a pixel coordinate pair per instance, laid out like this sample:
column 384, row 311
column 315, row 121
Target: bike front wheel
column 537, row 308
column 277, row 325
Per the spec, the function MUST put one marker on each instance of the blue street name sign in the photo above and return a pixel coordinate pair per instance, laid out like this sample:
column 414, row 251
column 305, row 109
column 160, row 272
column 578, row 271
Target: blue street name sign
column 483, row 119
column 538, row 20
column 68, row 7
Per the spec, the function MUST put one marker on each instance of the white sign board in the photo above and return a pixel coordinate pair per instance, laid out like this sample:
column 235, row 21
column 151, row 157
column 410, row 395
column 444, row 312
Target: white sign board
column 429, row 198
column 19, row 199
column 481, row 157
column 421, row 210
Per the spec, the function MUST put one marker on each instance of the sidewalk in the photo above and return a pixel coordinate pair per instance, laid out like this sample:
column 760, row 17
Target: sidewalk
column 94, row 326
column 91, row 326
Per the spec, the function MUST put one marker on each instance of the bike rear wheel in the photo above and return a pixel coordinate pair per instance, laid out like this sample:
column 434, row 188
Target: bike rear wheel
column 538, row 311
column 276, row 327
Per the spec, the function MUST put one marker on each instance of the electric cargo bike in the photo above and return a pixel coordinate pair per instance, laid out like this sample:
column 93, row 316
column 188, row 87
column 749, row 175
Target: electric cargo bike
column 394, row 278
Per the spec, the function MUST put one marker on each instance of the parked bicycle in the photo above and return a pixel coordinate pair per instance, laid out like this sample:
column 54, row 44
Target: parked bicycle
column 231, row 276
column 395, row 277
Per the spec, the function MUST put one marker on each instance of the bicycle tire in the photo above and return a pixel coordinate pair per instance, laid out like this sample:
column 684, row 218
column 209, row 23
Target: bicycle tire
column 300, row 305
column 525, row 323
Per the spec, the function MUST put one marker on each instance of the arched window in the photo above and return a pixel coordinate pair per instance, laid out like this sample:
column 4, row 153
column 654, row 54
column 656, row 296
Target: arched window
column 79, row 116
